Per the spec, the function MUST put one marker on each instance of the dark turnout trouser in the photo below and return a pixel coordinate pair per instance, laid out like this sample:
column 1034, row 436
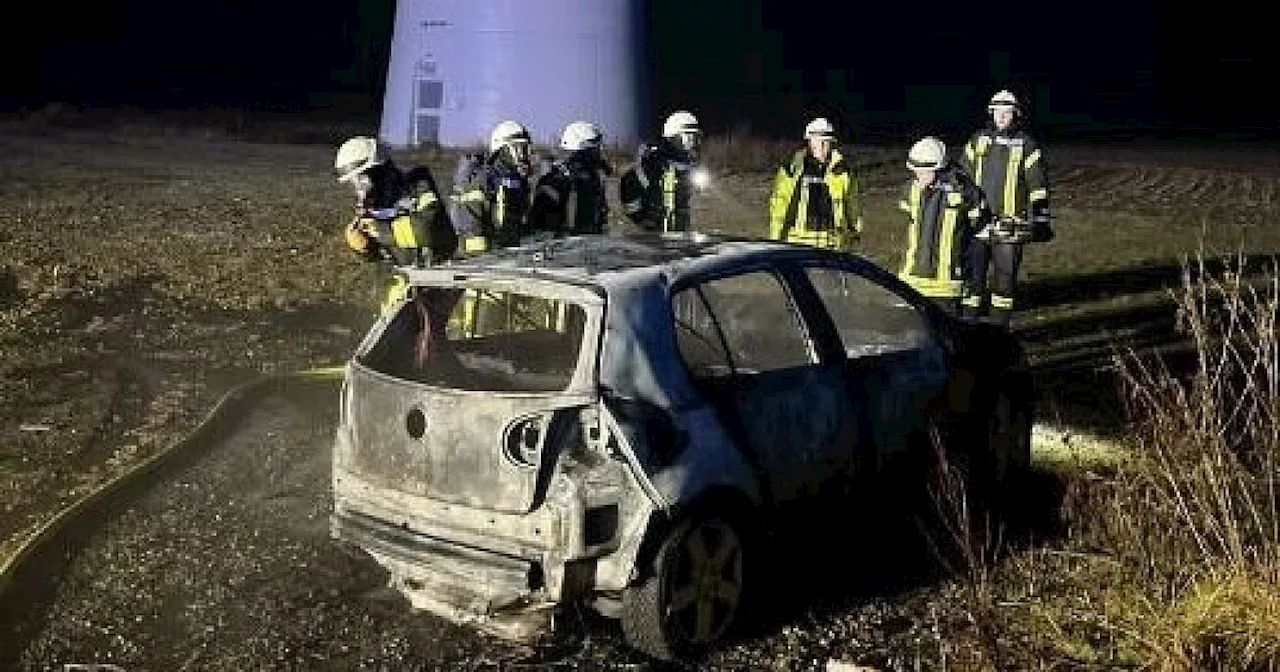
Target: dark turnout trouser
column 949, row 304
column 996, row 298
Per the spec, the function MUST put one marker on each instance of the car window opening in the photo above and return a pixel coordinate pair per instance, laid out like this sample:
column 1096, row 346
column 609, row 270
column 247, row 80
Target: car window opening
column 871, row 320
column 740, row 325
column 482, row 340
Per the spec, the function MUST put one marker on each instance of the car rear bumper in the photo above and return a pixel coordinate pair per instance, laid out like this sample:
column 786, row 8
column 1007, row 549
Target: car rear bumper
column 500, row 593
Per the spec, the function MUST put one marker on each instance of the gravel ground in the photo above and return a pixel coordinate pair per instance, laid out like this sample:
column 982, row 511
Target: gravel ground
column 227, row 565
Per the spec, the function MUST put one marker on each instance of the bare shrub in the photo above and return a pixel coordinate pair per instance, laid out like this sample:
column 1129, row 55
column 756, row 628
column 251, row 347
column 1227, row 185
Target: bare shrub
column 1195, row 514
column 966, row 539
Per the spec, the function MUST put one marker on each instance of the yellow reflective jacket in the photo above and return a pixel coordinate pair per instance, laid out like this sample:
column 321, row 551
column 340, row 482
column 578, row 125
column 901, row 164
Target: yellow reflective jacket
column 401, row 219
column 941, row 221
column 789, row 204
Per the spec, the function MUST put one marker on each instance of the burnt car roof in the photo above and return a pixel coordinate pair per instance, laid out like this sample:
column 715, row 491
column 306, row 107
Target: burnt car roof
column 606, row 260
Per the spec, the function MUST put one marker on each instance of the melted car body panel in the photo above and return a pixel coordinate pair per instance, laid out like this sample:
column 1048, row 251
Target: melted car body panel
column 511, row 434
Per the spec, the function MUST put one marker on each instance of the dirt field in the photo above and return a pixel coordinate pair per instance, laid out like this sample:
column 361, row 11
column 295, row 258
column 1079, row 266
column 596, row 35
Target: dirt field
column 143, row 272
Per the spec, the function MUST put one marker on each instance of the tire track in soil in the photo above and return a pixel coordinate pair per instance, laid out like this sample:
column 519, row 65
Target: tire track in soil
column 1069, row 176
column 1199, row 184
column 1132, row 188
column 1166, row 193
column 1101, row 189
column 1127, row 190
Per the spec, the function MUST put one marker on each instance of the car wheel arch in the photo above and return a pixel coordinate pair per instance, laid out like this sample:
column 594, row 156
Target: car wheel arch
column 725, row 501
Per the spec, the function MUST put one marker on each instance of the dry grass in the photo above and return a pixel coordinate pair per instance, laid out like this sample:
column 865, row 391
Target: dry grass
column 1171, row 560
column 1200, row 512
column 966, row 540
column 1173, row 563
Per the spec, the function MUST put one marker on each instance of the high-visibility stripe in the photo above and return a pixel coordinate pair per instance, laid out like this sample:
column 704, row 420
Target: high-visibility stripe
column 946, row 241
column 832, row 240
column 1002, row 302
column 426, row 200
column 913, row 230
column 1039, row 194
column 1011, row 176
column 904, row 206
column 968, row 151
column 1031, row 159
column 476, row 244
column 972, row 301
column 562, row 316
column 668, row 197
column 838, row 188
column 780, row 195
column 467, row 317
column 397, row 291
column 933, row 287
column 475, row 195
column 802, row 208
column 402, row 232
column 981, row 152
column 500, row 209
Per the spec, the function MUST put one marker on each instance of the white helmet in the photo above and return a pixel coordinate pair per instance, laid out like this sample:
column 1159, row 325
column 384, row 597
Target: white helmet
column 680, row 122
column 507, row 133
column 581, row 135
column 356, row 156
column 927, row 154
column 1003, row 99
column 820, row 128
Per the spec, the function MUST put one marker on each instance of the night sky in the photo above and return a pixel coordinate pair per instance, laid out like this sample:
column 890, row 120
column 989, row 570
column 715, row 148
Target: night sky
column 761, row 66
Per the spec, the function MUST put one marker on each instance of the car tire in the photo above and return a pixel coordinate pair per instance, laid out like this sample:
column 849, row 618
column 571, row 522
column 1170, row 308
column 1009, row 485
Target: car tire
column 694, row 594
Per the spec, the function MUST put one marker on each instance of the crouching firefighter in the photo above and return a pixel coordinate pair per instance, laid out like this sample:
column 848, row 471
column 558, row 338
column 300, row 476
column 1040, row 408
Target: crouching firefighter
column 816, row 198
column 399, row 217
column 569, row 199
column 656, row 189
column 1007, row 165
column 944, row 210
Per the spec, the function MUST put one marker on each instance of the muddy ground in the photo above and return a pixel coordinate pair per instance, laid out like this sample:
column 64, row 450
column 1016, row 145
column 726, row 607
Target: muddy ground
column 143, row 272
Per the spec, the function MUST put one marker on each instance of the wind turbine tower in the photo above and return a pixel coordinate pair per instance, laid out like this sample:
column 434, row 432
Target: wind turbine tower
column 458, row 67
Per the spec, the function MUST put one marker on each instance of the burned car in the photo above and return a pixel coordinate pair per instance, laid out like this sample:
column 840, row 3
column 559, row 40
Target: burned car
column 613, row 421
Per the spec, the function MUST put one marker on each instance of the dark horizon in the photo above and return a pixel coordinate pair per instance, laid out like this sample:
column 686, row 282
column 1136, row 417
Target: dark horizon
column 743, row 65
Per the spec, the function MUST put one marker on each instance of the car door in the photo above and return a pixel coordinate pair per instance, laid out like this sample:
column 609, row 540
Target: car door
column 750, row 351
column 895, row 363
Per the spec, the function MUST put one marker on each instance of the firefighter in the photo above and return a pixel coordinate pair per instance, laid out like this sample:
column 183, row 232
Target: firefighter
column 399, row 217
column 656, row 189
column 569, row 198
column 816, row 199
column 491, row 191
column 1008, row 166
column 490, row 205
column 944, row 209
